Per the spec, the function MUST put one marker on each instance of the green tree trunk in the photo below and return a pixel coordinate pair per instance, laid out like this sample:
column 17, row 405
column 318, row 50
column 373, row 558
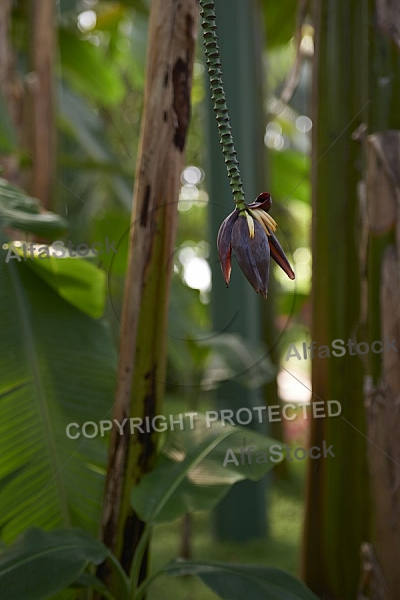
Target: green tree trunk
column 336, row 520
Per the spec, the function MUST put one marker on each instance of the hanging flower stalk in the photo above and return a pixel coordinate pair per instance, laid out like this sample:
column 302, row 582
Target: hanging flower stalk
column 249, row 229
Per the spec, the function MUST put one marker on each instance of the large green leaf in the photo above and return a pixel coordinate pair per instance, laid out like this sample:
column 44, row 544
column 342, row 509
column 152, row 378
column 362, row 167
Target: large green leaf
column 76, row 280
column 41, row 564
column 236, row 582
column 20, row 211
column 58, row 367
column 190, row 476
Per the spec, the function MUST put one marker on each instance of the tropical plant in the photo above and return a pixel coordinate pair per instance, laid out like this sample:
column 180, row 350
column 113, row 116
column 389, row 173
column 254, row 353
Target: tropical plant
column 58, row 365
column 188, row 476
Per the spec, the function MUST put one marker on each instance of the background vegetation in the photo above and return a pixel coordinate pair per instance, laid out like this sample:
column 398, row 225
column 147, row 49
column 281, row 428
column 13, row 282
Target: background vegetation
column 313, row 92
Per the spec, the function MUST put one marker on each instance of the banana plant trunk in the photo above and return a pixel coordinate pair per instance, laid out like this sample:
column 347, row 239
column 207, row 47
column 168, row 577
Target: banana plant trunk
column 382, row 227
column 336, row 521
column 380, row 251
column 141, row 372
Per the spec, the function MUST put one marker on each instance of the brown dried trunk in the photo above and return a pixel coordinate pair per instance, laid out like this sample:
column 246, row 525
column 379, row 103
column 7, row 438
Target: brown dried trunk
column 383, row 395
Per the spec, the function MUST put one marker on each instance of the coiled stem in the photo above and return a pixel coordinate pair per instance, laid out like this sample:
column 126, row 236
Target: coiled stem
column 210, row 40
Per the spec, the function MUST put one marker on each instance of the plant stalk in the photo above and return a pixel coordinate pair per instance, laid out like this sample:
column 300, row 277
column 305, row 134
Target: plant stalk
column 210, row 40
